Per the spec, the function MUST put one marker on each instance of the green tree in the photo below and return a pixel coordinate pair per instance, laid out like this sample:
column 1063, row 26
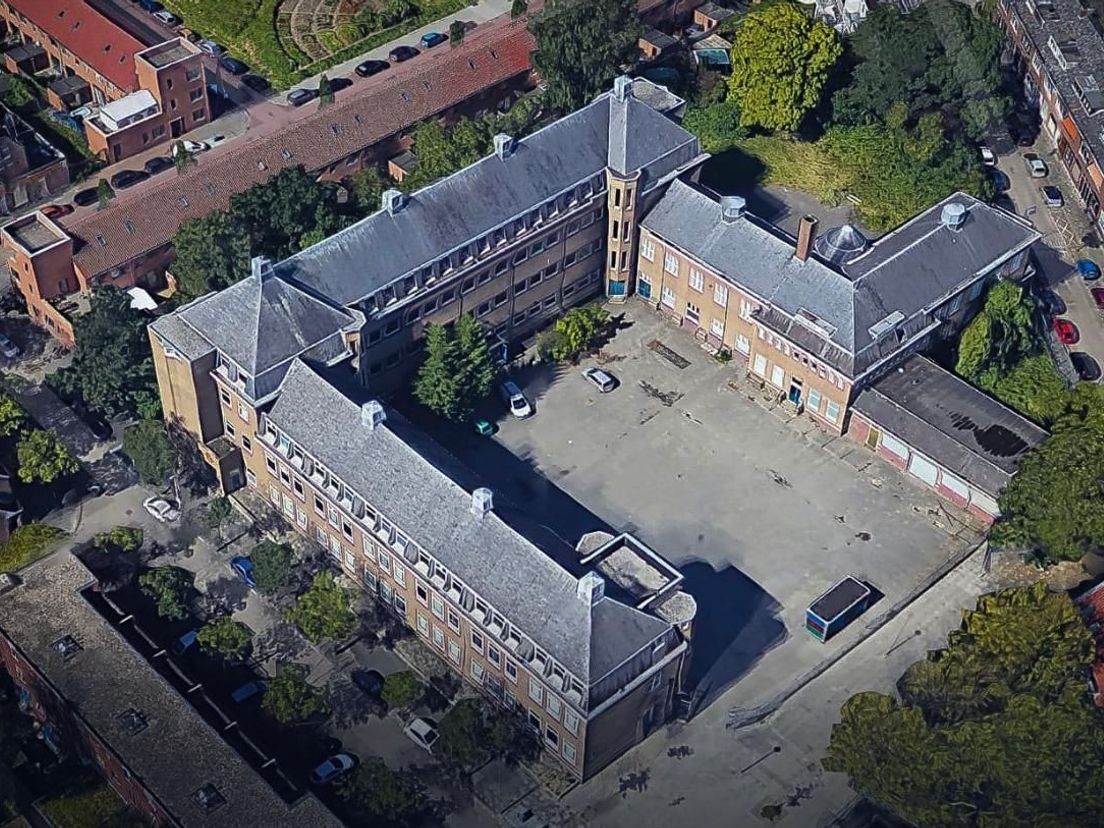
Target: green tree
column 120, row 539
column 717, row 125
column 457, row 370
column 462, row 744
column 290, row 698
column 581, row 46
column 781, row 61
column 13, row 418
column 442, row 150
column 148, row 447
column 104, row 193
column 280, row 213
column 401, row 689
column 212, row 252
column 42, row 458
column 456, row 33
column 378, row 796
column 219, row 513
column 271, row 565
column 323, row 611
column 576, row 331
column 183, row 158
column 112, row 367
column 325, row 92
column 226, row 638
column 169, row 587
column 367, row 186
column 518, row 8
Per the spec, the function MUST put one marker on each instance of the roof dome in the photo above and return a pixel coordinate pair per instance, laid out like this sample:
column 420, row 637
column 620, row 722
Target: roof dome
column 840, row 244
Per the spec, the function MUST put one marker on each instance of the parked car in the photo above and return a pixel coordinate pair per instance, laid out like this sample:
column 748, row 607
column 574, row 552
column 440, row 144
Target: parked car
column 371, row 67
column 233, row 65
column 193, row 147
column 1066, row 331
column 7, row 347
column 188, row 34
column 157, row 164
column 1052, row 303
column 211, row 48
column 1098, row 297
column 162, row 509
column 1052, row 196
column 1087, row 269
column 185, row 642
column 514, row 399
column 86, row 198
column 242, row 566
column 53, row 211
column 167, row 17
column 1088, row 369
column 128, row 178
column 431, row 39
column 298, row 97
column 337, row 765
column 1036, row 165
column 401, row 53
column 423, row 732
column 256, row 83
column 337, row 84
column 80, row 113
column 249, row 690
column 601, row 380
column 988, row 157
column 1001, row 182
column 150, row 5
column 96, row 423
column 370, row 681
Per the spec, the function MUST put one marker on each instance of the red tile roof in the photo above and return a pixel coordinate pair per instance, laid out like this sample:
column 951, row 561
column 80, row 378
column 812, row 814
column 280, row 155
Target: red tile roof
column 87, row 34
column 120, row 233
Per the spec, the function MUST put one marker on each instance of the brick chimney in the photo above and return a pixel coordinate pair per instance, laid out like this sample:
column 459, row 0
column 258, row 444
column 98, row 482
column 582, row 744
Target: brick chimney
column 806, row 231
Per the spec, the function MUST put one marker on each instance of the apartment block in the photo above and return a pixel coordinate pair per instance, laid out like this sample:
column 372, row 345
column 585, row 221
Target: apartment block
column 1057, row 47
column 38, row 266
column 818, row 318
column 31, row 168
column 103, row 690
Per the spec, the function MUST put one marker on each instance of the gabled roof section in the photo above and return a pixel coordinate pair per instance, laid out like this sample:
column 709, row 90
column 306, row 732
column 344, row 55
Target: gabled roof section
column 639, row 137
column 417, row 490
column 262, row 321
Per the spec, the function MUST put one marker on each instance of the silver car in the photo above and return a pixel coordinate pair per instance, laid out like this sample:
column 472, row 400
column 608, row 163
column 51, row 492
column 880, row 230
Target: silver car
column 1052, row 196
column 512, row 396
column 601, row 380
column 1036, row 165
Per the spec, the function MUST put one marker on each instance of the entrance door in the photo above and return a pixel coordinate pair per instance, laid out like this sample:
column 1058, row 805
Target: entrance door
column 795, row 391
column 872, row 438
column 234, row 479
column 176, row 127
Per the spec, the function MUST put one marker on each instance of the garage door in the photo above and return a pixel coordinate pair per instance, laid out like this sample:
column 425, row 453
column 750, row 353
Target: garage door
column 924, row 469
column 955, row 486
column 895, row 446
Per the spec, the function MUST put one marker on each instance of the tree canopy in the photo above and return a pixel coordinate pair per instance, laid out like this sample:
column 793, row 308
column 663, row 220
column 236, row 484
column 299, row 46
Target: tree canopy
column 42, row 458
column 289, row 697
column 226, row 638
column 781, row 61
column 148, row 447
column 576, row 332
column 323, row 611
column 169, row 587
column 112, row 367
column 457, row 370
column 993, row 730
column 581, row 47
column 212, row 252
column 271, row 565
column 378, row 796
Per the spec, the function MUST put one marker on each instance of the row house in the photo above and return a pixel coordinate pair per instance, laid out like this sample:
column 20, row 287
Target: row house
column 31, row 168
column 1059, row 51
column 816, row 319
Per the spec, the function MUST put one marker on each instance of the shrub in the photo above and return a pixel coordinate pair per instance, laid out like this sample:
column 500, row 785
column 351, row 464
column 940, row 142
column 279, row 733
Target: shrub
column 87, row 805
column 290, row 698
column 169, row 587
column 27, row 544
column 401, row 689
column 230, row 640
column 119, row 539
column 323, row 611
column 148, row 447
column 271, row 565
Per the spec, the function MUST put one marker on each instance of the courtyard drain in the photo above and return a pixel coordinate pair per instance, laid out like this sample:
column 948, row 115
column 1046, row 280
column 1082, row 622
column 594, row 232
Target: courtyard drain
column 667, row 398
column 675, row 359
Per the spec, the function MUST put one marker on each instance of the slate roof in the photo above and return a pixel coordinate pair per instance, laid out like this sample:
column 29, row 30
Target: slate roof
column 89, row 35
column 627, row 135
column 951, row 422
column 416, row 489
column 178, row 751
column 453, row 75
column 909, row 270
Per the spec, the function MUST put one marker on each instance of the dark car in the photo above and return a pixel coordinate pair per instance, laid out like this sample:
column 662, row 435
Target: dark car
column 371, row 67
column 1087, row 269
column 370, row 681
column 1052, row 303
column 337, row 84
column 86, row 198
column 431, row 39
column 1088, row 369
column 256, row 83
column 401, row 53
column 242, row 566
column 298, row 97
column 128, row 178
column 233, row 65
column 157, row 164
column 54, row 211
column 96, row 423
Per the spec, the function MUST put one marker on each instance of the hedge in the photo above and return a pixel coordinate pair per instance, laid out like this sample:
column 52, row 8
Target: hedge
column 27, row 544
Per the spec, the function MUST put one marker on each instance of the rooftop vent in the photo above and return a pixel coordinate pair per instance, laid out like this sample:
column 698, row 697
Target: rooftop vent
column 591, row 588
column 372, row 413
column 482, row 501
column 886, row 325
column 393, row 201
column 208, row 798
column 260, row 267
column 67, row 646
column 134, row 721
column 622, row 87
column 953, row 215
column 503, row 145
column 732, row 208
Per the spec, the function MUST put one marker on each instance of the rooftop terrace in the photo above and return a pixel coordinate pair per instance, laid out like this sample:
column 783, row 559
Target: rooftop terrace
column 34, row 233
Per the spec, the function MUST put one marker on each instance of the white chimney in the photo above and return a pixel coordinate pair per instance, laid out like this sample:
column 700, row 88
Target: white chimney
column 482, row 502
column 732, row 208
column 953, row 215
column 261, row 266
column 591, row 588
column 503, row 146
column 372, row 414
column 622, row 87
column 393, row 201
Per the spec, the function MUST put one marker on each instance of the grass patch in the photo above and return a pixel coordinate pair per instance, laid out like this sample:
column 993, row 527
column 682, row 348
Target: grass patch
column 86, row 805
column 27, row 544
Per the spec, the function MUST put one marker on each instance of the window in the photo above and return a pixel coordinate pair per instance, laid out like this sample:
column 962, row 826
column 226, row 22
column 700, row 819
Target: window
column 346, row 529
column 400, row 604
column 670, row 263
column 615, row 228
column 370, row 579
column 813, row 400
column 647, row 249
column 552, row 705
column 476, row 670
column 453, row 621
column 716, row 327
column 696, row 279
column 551, row 736
column 300, row 517
column 494, row 656
column 693, row 312
column 399, row 574
column 251, row 477
column 195, row 94
column 247, row 444
column 454, row 652
column 438, row 606
column 477, row 641
column 438, row 637
column 333, row 516
column 350, row 561
column 571, row 722
column 319, row 506
column 569, row 752
column 831, row 411
column 534, row 721
column 296, row 483
column 421, row 593
column 668, row 297
column 191, row 74
column 270, row 464
column 423, row 625
column 760, row 365
column 536, row 692
column 384, row 561
column 778, row 376
column 745, row 309
column 230, row 428
column 720, row 295
column 224, row 395
column 511, row 671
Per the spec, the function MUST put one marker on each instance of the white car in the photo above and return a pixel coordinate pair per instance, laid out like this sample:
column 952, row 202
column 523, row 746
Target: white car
column 1036, row 165
column 988, row 157
column 211, row 48
column 190, row 146
column 512, row 396
column 601, row 380
column 167, row 17
column 423, row 732
column 162, row 510
column 8, row 348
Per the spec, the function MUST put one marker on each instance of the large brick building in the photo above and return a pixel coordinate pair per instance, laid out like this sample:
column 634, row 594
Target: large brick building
column 104, row 690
